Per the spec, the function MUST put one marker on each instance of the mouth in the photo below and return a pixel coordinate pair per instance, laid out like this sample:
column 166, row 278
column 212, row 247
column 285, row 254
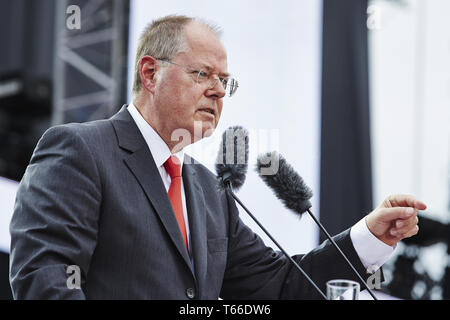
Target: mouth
column 208, row 110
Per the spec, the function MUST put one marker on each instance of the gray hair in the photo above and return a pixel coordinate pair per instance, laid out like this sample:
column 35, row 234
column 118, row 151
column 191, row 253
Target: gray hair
column 164, row 39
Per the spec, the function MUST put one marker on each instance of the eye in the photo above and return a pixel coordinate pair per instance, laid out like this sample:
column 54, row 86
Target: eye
column 202, row 75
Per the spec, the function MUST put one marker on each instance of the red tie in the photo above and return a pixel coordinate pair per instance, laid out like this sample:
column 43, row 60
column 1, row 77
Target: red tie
column 173, row 166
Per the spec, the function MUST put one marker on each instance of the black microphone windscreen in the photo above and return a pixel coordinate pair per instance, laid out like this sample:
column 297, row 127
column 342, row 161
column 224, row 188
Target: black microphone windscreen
column 232, row 159
column 287, row 184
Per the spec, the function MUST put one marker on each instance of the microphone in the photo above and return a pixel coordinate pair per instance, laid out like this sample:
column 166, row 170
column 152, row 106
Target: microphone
column 232, row 158
column 231, row 168
column 290, row 188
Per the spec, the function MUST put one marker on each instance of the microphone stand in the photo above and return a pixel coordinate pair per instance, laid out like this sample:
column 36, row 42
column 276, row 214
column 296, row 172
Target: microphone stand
column 228, row 187
column 342, row 254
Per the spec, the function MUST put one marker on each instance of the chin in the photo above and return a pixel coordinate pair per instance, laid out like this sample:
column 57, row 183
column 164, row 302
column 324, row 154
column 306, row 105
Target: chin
column 201, row 129
column 208, row 130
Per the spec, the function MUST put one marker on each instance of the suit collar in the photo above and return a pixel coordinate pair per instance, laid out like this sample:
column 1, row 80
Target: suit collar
column 127, row 132
column 143, row 166
column 141, row 163
column 195, row 203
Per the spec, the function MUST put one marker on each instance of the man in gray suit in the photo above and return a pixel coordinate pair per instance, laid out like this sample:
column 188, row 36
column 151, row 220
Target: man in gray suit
column 108, row 198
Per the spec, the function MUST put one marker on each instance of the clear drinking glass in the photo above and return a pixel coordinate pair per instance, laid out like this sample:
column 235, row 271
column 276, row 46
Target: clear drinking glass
column 342, row 290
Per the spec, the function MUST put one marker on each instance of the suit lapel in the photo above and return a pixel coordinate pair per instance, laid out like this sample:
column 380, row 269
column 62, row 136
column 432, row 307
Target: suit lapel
column 195, row 203
column 143, row 167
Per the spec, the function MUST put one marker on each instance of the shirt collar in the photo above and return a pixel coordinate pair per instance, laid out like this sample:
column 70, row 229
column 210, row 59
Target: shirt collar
column 159, row 149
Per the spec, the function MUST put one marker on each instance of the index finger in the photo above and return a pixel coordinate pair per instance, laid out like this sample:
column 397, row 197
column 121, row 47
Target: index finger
column 405, row 200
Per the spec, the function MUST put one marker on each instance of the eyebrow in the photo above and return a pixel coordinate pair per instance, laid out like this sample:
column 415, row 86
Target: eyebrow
column 223, row 74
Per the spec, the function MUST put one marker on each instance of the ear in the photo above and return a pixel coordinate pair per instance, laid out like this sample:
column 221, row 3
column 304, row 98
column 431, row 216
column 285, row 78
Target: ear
column 147, row 70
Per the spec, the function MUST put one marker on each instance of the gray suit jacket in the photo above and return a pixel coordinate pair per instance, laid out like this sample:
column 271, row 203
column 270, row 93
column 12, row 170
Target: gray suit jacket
column 92, row 197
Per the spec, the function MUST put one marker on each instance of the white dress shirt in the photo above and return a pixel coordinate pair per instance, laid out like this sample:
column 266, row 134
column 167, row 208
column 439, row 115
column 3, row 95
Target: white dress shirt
column 372, row 252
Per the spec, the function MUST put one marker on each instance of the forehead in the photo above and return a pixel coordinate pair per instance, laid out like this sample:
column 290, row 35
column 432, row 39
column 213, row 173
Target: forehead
column 205, row 47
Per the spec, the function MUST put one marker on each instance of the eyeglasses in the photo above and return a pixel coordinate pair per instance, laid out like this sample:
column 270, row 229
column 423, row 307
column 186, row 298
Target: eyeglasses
column 229, row 84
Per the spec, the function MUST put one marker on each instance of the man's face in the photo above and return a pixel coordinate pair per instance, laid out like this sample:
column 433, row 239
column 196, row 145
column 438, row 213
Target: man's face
column 180, row 101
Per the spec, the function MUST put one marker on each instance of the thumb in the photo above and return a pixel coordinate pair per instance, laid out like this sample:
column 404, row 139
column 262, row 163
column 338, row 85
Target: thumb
column 390, row 214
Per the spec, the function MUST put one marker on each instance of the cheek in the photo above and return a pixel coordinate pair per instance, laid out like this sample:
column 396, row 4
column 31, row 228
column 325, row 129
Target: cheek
column 186, row 105
column 183, row 98
column 178, row 102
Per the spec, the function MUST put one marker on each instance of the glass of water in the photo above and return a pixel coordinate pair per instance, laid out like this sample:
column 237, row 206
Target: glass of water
column 342, row 290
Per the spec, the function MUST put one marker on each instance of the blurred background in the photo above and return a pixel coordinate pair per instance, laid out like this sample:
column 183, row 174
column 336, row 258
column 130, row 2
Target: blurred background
column 354, row 93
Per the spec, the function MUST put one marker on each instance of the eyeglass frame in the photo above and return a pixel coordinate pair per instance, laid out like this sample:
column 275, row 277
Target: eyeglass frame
column 233, row 83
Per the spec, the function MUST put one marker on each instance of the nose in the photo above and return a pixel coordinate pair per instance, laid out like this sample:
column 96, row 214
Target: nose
column 216, row 88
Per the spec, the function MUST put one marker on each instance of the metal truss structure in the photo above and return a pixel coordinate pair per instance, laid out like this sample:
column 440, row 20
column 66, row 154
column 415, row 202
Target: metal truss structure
column 89, row 75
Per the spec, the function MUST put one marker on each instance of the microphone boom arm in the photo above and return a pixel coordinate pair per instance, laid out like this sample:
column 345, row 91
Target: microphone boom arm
column 228, row 187
column 342, row 253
